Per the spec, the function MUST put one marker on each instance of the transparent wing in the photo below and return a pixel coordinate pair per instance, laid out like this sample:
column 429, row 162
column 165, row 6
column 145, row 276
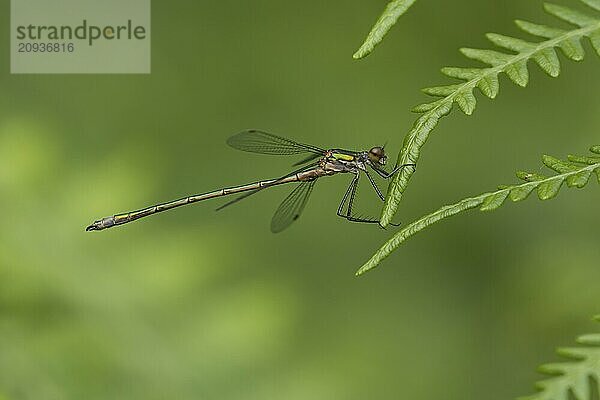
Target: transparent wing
column 256, row 141
column 250, row 193
column 292, row 206
column 310, row 158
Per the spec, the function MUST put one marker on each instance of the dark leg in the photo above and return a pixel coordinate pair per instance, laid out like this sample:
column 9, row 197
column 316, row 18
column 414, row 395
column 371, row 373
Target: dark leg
column 388, row 175
column 350, row 193
column 343, row 203
column 375, row 186
column 381, row 196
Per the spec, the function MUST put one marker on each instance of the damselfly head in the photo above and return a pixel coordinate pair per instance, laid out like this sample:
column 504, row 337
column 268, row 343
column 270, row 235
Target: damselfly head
column 377, row 155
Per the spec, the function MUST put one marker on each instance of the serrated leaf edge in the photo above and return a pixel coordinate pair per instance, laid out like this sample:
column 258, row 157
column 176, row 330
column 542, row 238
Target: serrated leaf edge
column 417, row 137
column 533, row 181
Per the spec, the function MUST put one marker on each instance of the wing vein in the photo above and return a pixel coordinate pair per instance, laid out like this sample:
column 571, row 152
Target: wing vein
column 292, row 206
column 255, row 141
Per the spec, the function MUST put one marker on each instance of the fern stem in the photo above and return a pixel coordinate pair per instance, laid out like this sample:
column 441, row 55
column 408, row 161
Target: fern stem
column 419, row 134
column 487, row 201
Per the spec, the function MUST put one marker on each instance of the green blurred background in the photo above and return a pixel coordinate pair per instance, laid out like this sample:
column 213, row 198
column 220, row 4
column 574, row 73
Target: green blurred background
column 194, row 304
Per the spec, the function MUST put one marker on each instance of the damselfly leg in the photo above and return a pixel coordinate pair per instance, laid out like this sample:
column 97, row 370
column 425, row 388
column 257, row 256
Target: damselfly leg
column 375, row 187
column 387, row 175
column 349, row 198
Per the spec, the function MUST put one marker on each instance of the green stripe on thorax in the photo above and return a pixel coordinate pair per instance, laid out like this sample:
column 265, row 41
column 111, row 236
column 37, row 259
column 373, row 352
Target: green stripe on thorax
column 344, row 157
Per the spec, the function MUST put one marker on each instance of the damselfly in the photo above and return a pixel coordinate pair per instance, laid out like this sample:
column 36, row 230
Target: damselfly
column 318, row 163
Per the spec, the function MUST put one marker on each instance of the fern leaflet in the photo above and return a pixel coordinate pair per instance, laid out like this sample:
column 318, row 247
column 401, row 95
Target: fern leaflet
column 394, row 10
column 486, row 80
column 575, row 376
column 575, row 171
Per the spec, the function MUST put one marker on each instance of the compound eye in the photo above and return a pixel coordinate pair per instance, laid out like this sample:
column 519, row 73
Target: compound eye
column 376, row 153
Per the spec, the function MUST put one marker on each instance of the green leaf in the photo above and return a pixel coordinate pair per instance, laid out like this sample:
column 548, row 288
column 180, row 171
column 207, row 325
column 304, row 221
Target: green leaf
column 595, row 39
column 442, row 91
column 595, row 4
column 573, row 49
column 489, row 85
column 530, row 176
column 592, row 339
column 392, row 12
column 539, row 30
column 486, row 79
column 466, row 101
column 557, row 165
column 547, row 59
column 584, row 160
column 491, row 57
column 576, row 171
column 518, row 72
column 578, row 180
column 465, row 74
column 495, row 200
column 575, row 378
column 569, row 15
column 510, row 43
column 519, row 193
column 572, row 377
column 421, row 108
column 550, row 188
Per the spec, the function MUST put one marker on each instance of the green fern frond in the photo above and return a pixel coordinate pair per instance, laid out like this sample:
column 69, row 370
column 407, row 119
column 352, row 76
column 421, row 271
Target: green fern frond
column 394, row 10
column 513, row 64
column 575, row 172
column 576, row 376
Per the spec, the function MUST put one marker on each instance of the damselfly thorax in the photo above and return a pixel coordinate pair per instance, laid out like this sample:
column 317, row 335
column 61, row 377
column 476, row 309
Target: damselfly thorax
column 319, row 163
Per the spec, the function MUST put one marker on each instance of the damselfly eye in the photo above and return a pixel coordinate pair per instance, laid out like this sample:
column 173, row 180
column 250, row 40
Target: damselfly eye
column 377, row 154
